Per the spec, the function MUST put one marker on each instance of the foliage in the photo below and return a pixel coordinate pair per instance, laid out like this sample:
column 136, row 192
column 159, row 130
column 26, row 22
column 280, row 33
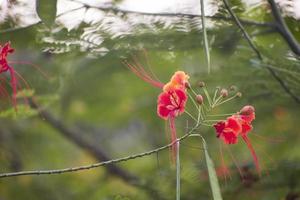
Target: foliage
column 90, row 90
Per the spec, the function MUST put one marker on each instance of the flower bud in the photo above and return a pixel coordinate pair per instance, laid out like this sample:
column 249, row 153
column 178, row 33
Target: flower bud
column 201, row 84
column 247, row 110
column 187, row 85
column 224, row 93
column 239, row 94
column 199, row 99
column 233, row 88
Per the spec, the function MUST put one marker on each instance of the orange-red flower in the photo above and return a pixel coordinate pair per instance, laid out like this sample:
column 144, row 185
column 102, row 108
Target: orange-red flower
column 246, row 116
column 171, row 103
column 228, row 130
column 238, row 125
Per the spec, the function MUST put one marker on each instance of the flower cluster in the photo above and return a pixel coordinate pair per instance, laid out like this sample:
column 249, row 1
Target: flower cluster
column 172, row 101
column 238, row 125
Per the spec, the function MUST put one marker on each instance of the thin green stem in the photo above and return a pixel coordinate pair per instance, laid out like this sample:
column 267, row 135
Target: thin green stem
column 229, row 99
column 193, row 91
column 189, row 114
column 193, row 100
column 220, row 115
column 213, row 120
column 199, row 114
column 207, row 96
column 178, row 172
column 215, row 95
column 217, row 101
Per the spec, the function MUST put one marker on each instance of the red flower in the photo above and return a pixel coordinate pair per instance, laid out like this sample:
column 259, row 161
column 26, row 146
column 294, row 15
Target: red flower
column 246, row 116
column 171, row 103
column 4, row 51
column 228, row 130
column 238, row 124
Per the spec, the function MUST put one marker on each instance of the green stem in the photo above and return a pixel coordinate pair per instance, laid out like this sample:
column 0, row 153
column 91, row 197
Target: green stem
column 178, row 172
column 191, row 115
column 207, row 96
column 218, row 104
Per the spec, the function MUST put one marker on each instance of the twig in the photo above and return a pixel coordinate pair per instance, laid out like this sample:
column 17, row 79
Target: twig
column 283, row 29
column 258, row 54
column 75, row 136
column 237, row 21
column 95, row 165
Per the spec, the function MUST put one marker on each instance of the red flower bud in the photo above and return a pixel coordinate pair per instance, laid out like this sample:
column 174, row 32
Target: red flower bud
column 201, row 84
column 199, row 99
column 239, row 94
column 224, row 93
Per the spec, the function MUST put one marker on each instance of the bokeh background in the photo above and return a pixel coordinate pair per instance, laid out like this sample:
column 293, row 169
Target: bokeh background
column 98, row 109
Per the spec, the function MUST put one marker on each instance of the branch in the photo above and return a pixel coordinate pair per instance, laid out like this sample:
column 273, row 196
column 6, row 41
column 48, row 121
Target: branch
column 75, row 136
column 95, row 165
column 283, row 29
column 258, row 54
column 238, row 23
column 167, row 14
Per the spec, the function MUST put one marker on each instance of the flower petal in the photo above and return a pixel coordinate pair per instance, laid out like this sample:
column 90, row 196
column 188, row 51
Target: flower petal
column 233, row 123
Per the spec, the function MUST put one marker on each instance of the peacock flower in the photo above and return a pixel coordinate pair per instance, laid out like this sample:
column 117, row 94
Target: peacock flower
column 228, row 130
column 170, row 104
column 171, row 101
column 238, row 125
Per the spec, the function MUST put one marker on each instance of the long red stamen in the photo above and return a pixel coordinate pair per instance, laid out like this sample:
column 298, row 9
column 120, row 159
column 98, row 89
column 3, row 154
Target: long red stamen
column 225, row 170
column 235, row 162
column 32, row 65
column 3, row 91
column 272, row 139
column 13, row 82
column 141, row 68
column 142, row 74
column 250, row 147
column 149, row 66
column 23, row 80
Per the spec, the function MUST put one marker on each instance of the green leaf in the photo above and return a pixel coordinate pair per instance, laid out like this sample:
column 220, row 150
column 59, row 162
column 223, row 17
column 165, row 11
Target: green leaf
column 213, row 179
column 46, row 10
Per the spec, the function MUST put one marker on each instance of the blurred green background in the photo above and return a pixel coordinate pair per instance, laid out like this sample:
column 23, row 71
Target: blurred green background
column 90, row 91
